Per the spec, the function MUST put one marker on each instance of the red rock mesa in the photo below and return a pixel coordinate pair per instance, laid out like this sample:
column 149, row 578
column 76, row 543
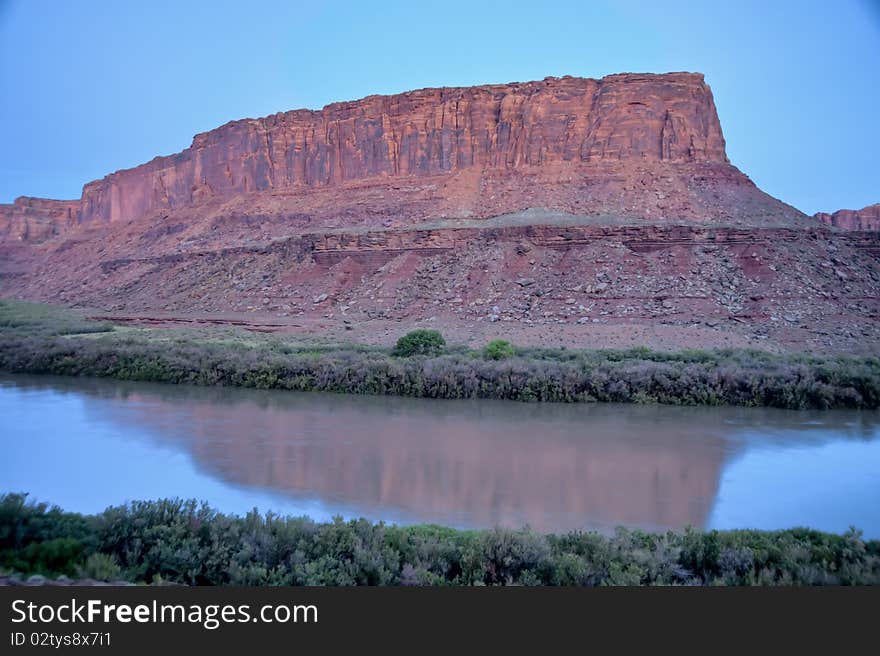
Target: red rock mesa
column 605, row 209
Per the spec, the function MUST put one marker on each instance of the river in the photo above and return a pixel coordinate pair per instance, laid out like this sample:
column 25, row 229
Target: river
column 85, row 444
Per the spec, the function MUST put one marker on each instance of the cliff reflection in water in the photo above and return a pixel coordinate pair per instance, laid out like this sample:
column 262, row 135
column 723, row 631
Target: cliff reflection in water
column 553, row 467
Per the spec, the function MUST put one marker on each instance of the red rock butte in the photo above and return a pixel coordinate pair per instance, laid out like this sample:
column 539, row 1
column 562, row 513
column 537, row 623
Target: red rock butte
column 424, row 205
column 557, row 125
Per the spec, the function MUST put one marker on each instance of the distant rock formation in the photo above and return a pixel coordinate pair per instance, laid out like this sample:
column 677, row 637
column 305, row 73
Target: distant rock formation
column 36, row 219
column 867, row 218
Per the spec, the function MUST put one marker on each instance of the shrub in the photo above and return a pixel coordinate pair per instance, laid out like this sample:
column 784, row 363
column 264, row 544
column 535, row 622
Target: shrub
column 420, row 342
column 185, row 542
column 100, row 567
column 54, row 556
column 498, row 349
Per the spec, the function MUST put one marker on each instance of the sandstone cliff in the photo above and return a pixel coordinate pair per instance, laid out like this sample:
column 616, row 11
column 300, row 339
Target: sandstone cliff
column 36, row 219
column 571, row 144
column 427, row 132
column 867, row 218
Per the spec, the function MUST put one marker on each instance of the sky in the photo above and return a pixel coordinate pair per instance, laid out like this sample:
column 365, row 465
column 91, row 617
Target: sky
column 93, row 86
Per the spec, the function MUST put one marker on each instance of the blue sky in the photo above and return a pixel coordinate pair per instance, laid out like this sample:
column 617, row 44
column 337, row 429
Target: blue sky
column 93, row 86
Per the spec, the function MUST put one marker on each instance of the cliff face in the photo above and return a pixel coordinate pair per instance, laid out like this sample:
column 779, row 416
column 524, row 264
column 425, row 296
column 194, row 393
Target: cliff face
column 865, row 219
column 36, row 219
column 620, row 118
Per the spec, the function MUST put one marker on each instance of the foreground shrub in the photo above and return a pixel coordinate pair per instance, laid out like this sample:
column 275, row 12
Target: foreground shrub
column 498, row 349
column 186, row 542
column 100, row 567
column 420, row 342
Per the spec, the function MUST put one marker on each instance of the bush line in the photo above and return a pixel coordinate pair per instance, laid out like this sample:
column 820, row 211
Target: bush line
column 186, row 542
column 45, row 339
column 637, row 376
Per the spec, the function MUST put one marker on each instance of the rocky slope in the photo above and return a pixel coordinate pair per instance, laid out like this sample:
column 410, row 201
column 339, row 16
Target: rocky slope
column 599, row 207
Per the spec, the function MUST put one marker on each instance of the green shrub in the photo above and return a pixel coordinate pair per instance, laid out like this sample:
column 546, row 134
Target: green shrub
column 420, row 342
column 498, row 349
column 100, row 567
column 56, row 556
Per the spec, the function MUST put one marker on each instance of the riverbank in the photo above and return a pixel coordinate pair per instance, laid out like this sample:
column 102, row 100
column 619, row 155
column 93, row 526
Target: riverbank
column 46, row 339
column 183, row 542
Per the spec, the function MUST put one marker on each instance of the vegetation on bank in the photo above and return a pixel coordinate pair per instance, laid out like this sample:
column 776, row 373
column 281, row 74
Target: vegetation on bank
column 38, row 339
column 419, row 342
column 185, row 542
column 498, row 349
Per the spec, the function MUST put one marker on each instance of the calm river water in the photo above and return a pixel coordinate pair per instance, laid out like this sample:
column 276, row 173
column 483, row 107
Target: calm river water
column 85, row 444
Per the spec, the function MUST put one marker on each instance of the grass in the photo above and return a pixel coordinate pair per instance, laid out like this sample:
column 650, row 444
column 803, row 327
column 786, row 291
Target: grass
column 20, row 316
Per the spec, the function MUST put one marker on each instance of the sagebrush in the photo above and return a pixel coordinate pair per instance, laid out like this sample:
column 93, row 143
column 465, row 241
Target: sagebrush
column 187, row 542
